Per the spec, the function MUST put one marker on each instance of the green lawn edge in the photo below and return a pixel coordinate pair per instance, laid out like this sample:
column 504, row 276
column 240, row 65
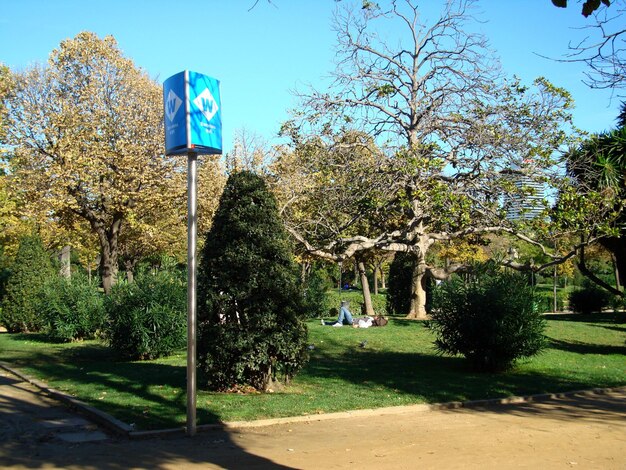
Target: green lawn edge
column 397, row 366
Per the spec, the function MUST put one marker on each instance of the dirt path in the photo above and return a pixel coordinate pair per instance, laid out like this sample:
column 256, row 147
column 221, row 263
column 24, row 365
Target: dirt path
column 586, row 431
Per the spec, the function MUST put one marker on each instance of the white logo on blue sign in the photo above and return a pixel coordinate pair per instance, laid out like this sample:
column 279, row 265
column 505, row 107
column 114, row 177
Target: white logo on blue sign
column 207, row 104
column 172, row 105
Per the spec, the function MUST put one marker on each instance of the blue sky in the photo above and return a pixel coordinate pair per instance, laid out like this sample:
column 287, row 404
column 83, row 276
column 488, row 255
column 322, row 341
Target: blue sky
column 262, row 54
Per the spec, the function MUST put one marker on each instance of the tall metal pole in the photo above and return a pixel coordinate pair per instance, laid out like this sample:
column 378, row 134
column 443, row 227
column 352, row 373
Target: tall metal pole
column 192, row 159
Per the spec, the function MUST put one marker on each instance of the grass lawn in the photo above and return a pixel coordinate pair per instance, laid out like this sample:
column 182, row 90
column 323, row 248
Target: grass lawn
column 397, row 366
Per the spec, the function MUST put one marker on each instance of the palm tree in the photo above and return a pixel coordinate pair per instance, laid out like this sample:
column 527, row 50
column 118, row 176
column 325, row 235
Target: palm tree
column 600, row 165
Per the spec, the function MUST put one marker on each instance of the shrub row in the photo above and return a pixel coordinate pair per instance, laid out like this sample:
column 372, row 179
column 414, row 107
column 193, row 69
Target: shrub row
column 589, row 299
column 355, row 297
column 544, row 301
column 141, row 320
column 72, row 309
column 147, row 318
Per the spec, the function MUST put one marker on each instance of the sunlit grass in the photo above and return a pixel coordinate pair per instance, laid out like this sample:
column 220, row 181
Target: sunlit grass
column 397, row 366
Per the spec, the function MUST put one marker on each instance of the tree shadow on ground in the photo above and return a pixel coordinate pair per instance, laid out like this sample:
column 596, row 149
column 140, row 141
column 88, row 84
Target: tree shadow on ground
column 26, row 441
column 207, row 450
column 580, row 347
column 621, row 329
column 600, row 407
column 405, row 322
column 419, row 377
column 89, row 367
column 600, row 317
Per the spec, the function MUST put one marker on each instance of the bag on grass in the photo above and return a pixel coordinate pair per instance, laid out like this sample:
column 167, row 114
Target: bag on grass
column 380, row 321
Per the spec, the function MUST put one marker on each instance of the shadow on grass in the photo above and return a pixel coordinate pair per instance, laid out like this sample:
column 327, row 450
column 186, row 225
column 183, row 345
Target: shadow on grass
column 401, row 321
column 94, row 374
column 602, row 317
column 32, row 337
column 90, row 368
column 434, row 378
column 381, row 366
column 621, row 329
column 579, row 347
column 28, row 442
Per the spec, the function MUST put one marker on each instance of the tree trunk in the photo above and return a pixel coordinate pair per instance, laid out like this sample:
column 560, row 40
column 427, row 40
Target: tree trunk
column 129, row 266
column 418, row 291
column 64, row 259
column 382, row 279
column 554, row 284
column 582, row 266
column 109, row 252
column 339, row 286
column 108, row 268
column 367, row 298
column 617, row 247
column 375, row 280
column 618, row 284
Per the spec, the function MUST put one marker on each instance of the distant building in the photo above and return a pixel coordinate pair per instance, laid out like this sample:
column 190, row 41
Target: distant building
column 527, row 201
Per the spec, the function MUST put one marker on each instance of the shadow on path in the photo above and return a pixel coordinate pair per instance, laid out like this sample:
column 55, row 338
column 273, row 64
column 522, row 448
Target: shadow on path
column 28, row 441
column 599, row 407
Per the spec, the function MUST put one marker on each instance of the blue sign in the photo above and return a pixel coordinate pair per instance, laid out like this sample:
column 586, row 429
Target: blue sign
column 193, row 114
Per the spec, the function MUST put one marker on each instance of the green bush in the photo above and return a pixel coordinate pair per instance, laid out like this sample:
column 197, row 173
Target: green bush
column 73, row 309
column 316, row 303
column 399, row 284
column 5, row 273
column 355, row 297
column 147, row 318
column 491, row 320
column 251, row 331
column 544, row 300
column 21, row 305
column 590, row 298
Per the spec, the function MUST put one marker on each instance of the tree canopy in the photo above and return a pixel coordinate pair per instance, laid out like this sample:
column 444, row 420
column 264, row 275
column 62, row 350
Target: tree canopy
column 599, row 167
column 588, row 7
column 444, row 144
column 87, row 142
column 602, row 50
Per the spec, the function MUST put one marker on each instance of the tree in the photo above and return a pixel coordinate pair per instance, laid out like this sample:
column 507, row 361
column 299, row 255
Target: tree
column 88, row 142
column 603, row 49
column 5, row 273
column 250, row 152
column 30, row 270
column 400, row 282
column 163, row 229
column 319, row 186
column 589, row 6
column 380, row 261
column 453, row 136
column 250, row 304
column 6, row 86
column 12, row 226
column 599, row 167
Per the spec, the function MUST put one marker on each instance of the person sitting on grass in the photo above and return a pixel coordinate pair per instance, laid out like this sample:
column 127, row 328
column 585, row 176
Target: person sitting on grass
column 346, row 318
